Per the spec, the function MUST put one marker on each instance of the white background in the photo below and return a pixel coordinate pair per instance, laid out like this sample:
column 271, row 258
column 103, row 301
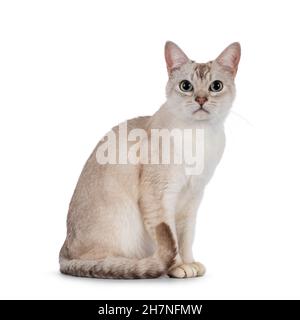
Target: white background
column 70, row 70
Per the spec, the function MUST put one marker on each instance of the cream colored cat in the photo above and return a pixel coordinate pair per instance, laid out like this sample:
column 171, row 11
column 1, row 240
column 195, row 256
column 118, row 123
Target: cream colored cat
column 137, row 220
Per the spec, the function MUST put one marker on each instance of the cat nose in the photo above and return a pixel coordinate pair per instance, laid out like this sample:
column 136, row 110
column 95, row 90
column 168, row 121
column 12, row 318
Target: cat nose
column 201, row 100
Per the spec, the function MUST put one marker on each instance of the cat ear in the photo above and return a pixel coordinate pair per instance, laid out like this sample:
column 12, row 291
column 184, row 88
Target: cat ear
column 230, row 57
column 174, row 56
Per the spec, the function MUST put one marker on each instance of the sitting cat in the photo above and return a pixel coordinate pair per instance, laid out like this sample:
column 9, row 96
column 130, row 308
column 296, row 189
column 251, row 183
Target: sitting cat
column 137, row 220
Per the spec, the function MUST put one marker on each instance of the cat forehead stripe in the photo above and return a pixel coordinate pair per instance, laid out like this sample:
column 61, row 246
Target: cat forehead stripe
column 202, row 70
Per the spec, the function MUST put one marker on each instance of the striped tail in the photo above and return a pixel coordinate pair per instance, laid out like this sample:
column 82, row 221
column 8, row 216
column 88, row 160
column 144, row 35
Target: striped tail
column 125, row 268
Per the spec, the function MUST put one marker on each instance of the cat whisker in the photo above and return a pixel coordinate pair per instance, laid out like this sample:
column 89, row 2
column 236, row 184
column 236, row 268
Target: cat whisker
column 241, row 117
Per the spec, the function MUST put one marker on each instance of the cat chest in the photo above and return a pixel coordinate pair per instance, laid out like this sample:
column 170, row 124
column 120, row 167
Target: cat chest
column 202, row 152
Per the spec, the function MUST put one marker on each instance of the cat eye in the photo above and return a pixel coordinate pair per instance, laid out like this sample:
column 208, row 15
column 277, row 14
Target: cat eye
column 185, row 86
column 216, row 86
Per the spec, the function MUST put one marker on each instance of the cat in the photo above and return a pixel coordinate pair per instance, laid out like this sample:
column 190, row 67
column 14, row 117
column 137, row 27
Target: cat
column 137, row 220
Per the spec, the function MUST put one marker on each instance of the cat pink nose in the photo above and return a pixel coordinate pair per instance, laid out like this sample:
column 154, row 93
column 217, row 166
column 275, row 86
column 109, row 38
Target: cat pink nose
column 201, row 100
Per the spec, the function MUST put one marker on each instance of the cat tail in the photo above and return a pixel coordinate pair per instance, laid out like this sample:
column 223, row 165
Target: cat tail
column 126, row 268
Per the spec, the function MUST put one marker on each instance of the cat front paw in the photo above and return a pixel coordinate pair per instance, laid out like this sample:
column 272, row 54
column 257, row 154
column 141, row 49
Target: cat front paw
column 187, row 270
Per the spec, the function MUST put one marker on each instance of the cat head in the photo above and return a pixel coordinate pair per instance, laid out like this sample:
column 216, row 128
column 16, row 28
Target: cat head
column 201, row 91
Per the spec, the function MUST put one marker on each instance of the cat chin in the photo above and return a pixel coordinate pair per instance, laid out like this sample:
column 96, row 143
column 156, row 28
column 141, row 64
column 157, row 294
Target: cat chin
column 201, row 115
column 201, row 118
